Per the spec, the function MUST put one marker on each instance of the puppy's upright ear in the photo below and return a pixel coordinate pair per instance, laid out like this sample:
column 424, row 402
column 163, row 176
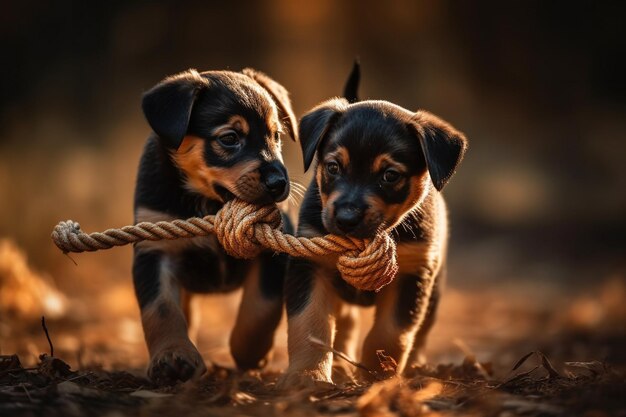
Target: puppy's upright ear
column 280, row 96
column 443, row 146
column 167, row 106
column 316, row 124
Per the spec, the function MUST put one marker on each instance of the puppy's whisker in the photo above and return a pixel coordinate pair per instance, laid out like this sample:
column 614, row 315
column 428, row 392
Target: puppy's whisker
column 298, row 196
column 297, row 191
column 295, row 198
column 298, row 185
column 292, row 201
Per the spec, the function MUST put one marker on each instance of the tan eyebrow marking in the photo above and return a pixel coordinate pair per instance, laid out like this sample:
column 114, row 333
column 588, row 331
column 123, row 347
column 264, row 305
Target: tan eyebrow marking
column 341, row 154
column 237, row 122
column 273, row 124
column 386, row 161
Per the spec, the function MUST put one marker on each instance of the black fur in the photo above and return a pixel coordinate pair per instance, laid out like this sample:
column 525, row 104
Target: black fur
column 351, row 89
column 196, row 104
column 316, row 124
column 281, row 96
column 168, row 105
column 443, row 147
column 146, row 277
column 375, row 159
column 299, row 284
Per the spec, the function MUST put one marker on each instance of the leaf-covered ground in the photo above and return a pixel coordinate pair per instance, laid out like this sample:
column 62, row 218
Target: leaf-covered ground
column 534, row 388
column 516, row 348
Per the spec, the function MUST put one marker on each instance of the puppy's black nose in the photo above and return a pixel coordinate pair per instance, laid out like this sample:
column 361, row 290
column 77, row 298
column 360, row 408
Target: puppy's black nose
column 274, row 177
column 275, row 184
column 348, row 216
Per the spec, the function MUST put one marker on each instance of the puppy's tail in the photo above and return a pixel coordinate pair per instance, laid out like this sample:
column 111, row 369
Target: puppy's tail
column 351, row 89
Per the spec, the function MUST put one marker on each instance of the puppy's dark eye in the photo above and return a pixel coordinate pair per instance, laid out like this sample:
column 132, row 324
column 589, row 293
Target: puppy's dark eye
column 276, row 136
column 391, row 176
column 229, row 139
column 332, row 168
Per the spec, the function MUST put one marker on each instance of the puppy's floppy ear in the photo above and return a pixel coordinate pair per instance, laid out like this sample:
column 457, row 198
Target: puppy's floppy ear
column 167, row 106
column 316, row 124
column 443, row 146
column 280, row 96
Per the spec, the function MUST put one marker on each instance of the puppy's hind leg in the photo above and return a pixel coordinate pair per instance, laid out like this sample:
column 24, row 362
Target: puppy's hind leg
column 259, row 312
column 172, row 355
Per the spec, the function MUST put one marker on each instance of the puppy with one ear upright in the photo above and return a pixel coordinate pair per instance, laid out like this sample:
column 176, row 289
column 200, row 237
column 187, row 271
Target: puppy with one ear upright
column 379, row 167
column 217, row 135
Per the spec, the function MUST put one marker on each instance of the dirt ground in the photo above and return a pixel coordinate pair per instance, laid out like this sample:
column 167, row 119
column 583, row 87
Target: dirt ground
column 500, row 350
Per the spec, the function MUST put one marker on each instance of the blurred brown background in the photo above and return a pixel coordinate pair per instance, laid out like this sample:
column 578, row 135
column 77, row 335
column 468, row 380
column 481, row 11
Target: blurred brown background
column 537, row 207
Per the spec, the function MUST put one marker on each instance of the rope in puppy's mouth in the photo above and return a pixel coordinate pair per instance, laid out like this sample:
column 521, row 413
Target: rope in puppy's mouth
column 245, row 230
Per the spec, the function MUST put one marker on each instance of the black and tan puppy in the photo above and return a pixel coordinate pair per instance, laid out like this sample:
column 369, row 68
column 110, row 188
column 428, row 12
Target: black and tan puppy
column 379, row 167
column 216, row 135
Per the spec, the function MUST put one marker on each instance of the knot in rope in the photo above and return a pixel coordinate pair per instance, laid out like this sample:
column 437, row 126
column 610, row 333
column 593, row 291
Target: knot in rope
column 372, row 266
column 237, row 223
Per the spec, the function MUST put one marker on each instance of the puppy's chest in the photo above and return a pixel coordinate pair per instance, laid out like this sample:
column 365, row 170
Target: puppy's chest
column 203, row 269
column 199, row 264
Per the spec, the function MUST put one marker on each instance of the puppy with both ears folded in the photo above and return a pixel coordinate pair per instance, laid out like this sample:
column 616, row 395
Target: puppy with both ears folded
column 379, row 167
column 216, row 135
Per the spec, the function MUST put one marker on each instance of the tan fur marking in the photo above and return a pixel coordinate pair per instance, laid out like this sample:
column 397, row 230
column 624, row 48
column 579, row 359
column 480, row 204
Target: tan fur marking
column 191, row 313
column 271, row 118
column 240, row 124
column 317, row 320
column 202, row 178
column 340, row 155
column 384, row 161
column 332, row 197
column 347, row 329
column 163, row 322
column 419, row 187
column 318, row 179
column 237, row 123
column 164, row 326
column 422, row 258
column 328, row 207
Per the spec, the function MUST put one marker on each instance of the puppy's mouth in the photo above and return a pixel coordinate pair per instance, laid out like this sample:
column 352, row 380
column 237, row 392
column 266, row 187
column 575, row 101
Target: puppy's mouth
column 365, row 229
column 251, row 193
column 223, row 192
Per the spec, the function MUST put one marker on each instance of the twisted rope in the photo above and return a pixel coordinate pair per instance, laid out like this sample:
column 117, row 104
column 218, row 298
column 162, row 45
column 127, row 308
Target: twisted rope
column 244, row 230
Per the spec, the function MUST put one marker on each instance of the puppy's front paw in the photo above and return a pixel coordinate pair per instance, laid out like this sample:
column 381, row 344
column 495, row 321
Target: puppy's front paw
column 342, row 373
column 304, row 380
column 176, row 363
